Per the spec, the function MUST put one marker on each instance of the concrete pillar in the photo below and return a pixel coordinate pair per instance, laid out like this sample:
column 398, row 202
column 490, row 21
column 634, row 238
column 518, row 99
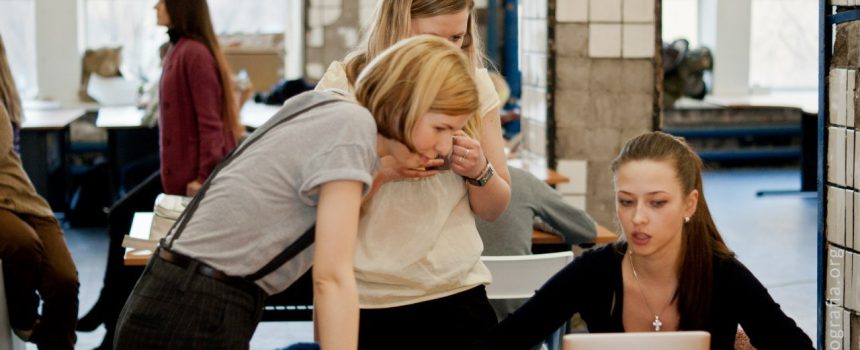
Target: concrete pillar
column 724, row 27
column 57, row 50
column 295, row 29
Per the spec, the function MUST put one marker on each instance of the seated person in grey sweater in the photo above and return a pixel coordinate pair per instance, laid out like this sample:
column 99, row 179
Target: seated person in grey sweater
column 511, row 233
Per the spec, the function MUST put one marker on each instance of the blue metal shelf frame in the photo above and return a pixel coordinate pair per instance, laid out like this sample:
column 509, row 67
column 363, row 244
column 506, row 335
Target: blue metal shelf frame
column 825, row 43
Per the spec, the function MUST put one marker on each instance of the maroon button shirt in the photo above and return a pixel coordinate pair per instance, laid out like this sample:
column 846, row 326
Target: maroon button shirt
column 193, row 136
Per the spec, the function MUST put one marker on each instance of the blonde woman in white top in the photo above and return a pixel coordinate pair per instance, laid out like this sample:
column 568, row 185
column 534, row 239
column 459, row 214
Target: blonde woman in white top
column 417, row 261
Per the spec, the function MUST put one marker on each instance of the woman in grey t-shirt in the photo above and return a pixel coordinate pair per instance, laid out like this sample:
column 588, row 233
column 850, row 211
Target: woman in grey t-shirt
column 247, row 233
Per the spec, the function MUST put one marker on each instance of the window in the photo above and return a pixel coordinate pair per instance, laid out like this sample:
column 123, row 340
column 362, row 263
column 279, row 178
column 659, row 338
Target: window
column 681, row 21
column 784, row 44
column 258, row 16
column 17, row 26
column 132, row 24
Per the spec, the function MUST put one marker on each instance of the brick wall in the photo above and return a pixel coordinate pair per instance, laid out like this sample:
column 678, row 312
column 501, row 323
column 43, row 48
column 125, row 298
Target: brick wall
column 842, row 199
column 601, row 72
column 333, row 29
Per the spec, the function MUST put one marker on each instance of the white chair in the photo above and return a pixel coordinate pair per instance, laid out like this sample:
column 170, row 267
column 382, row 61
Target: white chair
column 519, row 276
column 7, row 339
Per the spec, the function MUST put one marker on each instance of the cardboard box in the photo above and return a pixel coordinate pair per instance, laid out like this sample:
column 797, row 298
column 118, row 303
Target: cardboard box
column 260, row 55
column 265, row 67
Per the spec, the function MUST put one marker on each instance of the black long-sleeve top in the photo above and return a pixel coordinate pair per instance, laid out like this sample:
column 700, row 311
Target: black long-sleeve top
column 592, row 286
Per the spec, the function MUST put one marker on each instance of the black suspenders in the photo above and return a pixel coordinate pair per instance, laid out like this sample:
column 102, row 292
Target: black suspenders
column 300, row 244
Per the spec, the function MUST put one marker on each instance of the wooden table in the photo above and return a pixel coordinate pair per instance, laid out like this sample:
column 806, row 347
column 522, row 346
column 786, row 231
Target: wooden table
column 139, row 229
column 539, row 170
column 44, row 149
column 293, row 304
column 143, row 220
column 130, row 141
column 604, row 236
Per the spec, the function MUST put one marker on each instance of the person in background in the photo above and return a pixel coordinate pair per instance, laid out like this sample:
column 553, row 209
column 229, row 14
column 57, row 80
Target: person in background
column 36, row 259
column 418, row 259
column 511, row 233
column 510, row 111
column 673, row 271
column 199, row 114
column 266, row 215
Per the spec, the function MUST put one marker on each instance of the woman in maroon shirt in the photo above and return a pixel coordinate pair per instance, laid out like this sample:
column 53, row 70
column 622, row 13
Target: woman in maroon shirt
column 199, row 115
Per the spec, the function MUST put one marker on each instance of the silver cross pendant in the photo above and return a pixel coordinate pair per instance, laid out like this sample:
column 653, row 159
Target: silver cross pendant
column 657, row 323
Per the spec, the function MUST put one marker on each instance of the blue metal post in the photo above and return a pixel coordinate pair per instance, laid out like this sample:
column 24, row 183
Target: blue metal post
column 511, row 70
column 825, row 32
column 492, row 33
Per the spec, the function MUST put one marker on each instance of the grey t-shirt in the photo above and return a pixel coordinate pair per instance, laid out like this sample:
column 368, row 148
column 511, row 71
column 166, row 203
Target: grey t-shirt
column 511, row 233
column 531, row 198
column 266, row 198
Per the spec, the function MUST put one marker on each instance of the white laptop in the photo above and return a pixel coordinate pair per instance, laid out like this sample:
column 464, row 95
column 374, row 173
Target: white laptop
column 695, row 340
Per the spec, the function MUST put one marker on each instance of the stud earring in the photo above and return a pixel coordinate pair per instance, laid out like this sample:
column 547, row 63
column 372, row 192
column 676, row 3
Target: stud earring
column 686, row 219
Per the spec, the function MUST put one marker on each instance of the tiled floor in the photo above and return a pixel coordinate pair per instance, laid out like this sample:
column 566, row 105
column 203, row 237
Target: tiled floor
column 773, row 235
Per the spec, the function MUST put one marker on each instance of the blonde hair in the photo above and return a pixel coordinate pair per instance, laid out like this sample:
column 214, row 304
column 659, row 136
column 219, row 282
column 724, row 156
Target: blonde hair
column 415, row 76
column 8, row 92
column 393, row 22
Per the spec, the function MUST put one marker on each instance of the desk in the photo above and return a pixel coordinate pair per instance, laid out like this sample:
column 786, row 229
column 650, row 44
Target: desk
column 538, row 169
column 143, row 220
column 254, row 115
column 139, row 229
column 293, row 304
column 604, row 236
column 44, row 148
column 129, row 142
column 120, row 117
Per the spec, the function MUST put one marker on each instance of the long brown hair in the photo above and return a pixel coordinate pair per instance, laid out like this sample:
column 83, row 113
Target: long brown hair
column 8, row 91
column 701, row 242
column 191, row 18
column 393, row 22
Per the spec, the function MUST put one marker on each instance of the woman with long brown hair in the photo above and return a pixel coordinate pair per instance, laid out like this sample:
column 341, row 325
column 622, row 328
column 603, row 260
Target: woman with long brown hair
column 199, row 115
column 36, row 261
column 673, row 272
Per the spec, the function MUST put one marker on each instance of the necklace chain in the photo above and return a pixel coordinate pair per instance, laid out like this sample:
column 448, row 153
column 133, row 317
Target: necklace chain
column 657, row 323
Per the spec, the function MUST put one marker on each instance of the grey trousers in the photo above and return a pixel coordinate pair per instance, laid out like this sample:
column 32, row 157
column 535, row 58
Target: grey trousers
column 176, row 308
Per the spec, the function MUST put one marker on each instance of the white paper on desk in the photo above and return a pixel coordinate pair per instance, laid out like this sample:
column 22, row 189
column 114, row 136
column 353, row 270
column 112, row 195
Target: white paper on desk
column 113, row 91
column 126, row 116
column 139, row 243
column 41, row 105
